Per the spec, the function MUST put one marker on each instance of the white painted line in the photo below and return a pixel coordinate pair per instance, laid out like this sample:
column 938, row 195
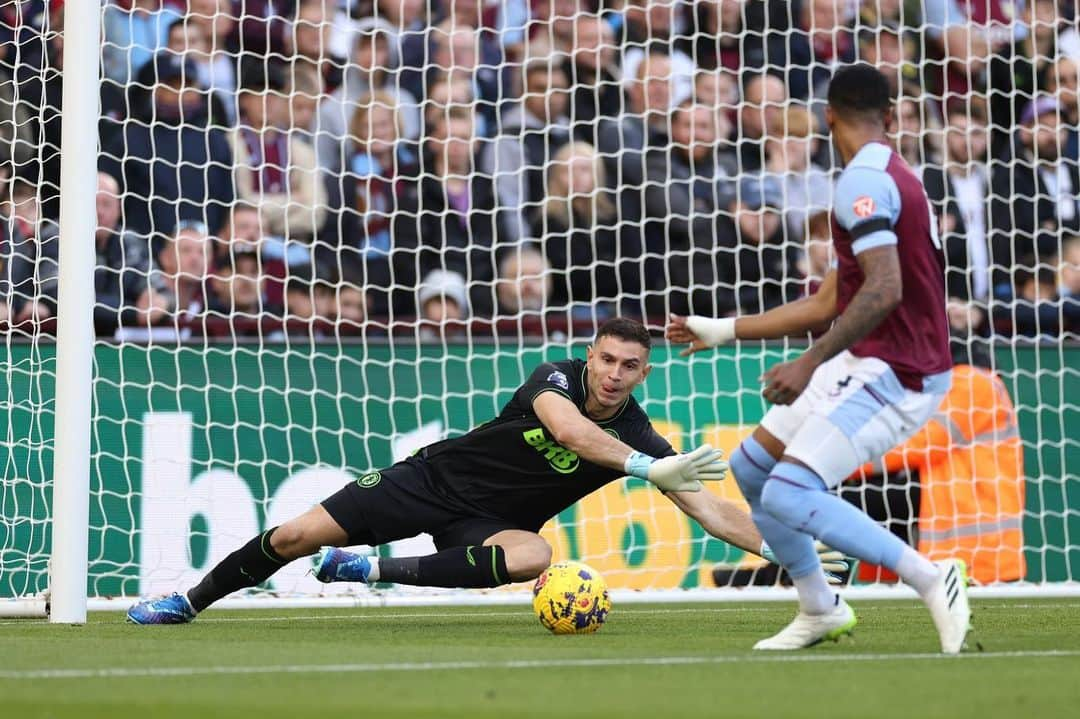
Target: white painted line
column 810, row 658
column 365, row 613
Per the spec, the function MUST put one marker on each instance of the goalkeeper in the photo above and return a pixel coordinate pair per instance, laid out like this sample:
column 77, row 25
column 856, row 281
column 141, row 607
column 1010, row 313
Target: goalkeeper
column 569, row 430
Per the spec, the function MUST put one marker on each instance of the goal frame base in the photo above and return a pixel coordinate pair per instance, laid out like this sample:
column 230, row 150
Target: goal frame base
column 25, row 608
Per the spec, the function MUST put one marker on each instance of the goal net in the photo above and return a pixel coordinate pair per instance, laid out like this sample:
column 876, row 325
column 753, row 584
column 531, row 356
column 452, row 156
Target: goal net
column 330, row 233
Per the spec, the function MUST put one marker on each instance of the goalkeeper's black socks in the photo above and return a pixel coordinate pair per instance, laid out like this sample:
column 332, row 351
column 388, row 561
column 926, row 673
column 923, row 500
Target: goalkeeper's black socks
column 469, row 567
column 252, row 564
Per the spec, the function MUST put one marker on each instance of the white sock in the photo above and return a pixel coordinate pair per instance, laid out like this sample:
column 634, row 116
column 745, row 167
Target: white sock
column 815, row 595
column 917, row 571
column 373, row 575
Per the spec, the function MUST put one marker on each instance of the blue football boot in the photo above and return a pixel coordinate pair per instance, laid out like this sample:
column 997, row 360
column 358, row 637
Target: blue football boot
column 172, row 609
column 337, row 565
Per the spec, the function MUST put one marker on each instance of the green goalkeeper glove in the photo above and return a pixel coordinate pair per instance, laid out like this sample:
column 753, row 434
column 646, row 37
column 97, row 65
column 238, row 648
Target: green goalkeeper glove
column 681, row 472
column 833, row 562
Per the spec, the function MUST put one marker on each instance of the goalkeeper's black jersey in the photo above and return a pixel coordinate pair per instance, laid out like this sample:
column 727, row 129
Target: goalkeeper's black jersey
column 512, row 469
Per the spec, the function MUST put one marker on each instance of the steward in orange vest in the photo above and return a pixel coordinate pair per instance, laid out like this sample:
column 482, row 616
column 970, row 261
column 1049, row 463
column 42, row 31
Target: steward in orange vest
column 970, row 466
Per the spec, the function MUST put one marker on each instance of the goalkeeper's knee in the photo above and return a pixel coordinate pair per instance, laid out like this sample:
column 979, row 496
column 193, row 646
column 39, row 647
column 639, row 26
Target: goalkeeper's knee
column 526, row 561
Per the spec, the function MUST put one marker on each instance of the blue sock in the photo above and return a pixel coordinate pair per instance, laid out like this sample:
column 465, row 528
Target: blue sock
column 795, row 550
column 796, row 496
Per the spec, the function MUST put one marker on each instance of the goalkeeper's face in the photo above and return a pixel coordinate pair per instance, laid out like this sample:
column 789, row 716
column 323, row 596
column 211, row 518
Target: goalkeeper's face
column 616, row 366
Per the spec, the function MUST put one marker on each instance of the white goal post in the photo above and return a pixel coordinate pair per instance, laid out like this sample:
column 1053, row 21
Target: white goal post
column 75, row 327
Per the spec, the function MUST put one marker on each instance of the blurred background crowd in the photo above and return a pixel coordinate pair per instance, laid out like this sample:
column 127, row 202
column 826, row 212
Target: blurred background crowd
column 327, row 168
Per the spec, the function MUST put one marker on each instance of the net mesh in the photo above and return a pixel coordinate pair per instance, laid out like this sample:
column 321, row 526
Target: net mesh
column 332, row 232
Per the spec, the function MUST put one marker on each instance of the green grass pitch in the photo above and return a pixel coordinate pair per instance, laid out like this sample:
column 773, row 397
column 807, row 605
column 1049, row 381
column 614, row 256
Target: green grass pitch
column 653, row 661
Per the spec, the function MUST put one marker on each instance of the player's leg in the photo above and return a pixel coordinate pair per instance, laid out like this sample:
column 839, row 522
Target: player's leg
column 757, row 457
column 752, row 463
column 260, row 558
column 508, row 555
column 875, row 415
column 527, row 554
column 304, row 535
column 801, row 498
column 250, row 565
column 367, row 511
column 822, row 614
column 473, row 553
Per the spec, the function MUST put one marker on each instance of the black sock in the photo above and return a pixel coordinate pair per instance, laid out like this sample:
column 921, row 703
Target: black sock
column 252, row 564
column 468, row 567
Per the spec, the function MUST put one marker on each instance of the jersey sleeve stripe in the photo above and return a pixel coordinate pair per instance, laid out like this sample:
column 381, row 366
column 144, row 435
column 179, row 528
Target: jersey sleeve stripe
column 870, row 226
column 881, row 238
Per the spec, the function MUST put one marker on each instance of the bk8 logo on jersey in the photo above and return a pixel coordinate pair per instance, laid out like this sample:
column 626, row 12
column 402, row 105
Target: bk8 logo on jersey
column 559, row 458
column 571, row 598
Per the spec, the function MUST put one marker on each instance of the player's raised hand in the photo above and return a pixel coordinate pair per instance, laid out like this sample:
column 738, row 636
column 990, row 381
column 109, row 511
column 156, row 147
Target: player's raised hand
column 681, row 472
column 699, row 332
column 677, row 331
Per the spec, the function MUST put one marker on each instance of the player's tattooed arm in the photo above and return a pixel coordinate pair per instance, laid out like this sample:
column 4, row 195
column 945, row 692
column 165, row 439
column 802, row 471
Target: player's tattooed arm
column 880, row 293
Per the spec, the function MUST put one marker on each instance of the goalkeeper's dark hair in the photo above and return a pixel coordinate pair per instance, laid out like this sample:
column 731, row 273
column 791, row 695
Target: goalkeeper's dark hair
column 625, row 329
column 860, row 92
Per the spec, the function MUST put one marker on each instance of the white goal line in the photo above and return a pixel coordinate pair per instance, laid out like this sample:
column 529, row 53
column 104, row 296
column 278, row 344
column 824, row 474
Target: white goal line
column 360, row 668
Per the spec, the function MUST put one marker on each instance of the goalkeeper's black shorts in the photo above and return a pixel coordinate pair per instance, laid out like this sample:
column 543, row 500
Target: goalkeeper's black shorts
column 401, row 502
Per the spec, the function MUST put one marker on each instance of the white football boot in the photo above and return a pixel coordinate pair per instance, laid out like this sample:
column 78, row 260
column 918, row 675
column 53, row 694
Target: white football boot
column 948, row 605
column 806, row 630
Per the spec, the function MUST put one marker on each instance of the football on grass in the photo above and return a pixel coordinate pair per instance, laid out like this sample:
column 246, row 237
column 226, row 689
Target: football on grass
column 571, row 598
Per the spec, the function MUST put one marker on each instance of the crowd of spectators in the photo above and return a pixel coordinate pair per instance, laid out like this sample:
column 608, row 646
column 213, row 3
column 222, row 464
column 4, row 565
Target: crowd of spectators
column 269, row 167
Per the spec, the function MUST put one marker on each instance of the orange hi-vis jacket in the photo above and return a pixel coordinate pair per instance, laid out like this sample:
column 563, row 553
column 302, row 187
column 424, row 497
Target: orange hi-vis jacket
column 971, row 471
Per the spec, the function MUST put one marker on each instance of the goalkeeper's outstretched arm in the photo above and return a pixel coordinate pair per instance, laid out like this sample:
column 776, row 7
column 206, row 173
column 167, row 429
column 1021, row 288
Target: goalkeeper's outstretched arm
column 721, row 518
column 729, row 522
column 809, row 314
column 572, row 430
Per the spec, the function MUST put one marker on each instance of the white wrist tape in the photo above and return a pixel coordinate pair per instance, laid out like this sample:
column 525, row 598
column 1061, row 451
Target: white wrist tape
column 712, row 331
